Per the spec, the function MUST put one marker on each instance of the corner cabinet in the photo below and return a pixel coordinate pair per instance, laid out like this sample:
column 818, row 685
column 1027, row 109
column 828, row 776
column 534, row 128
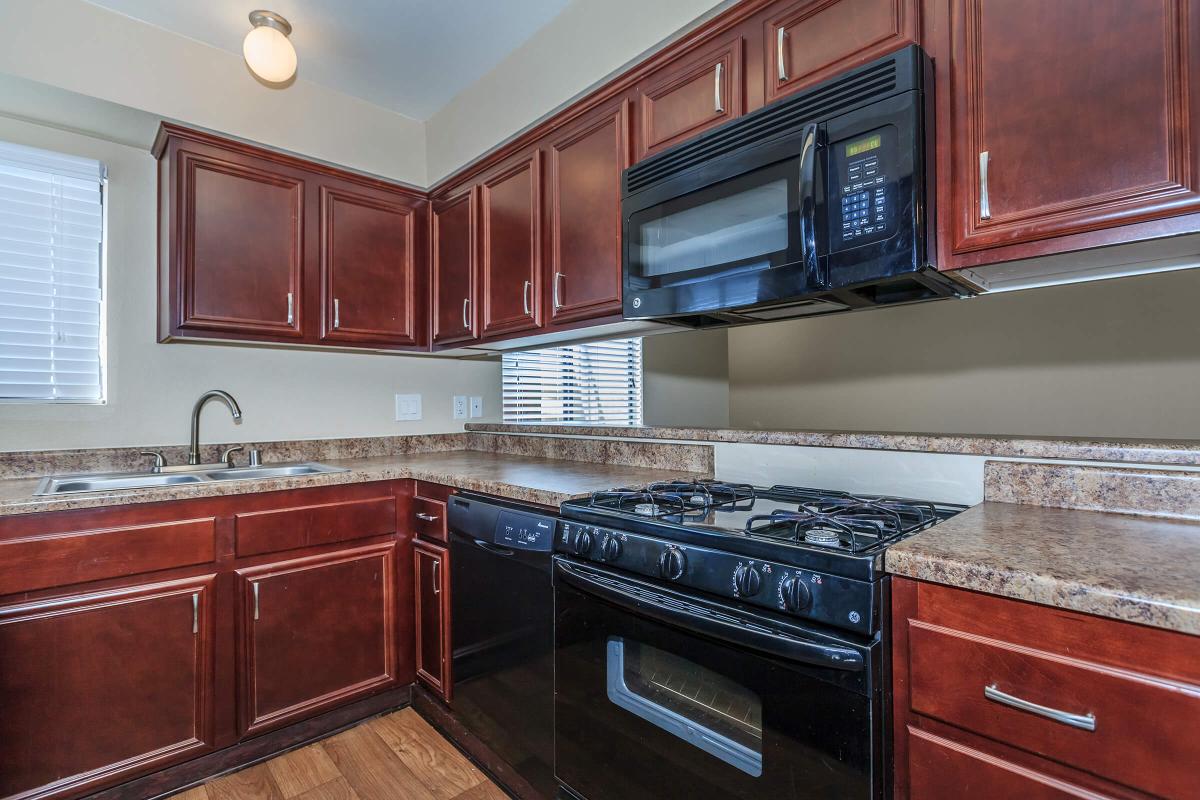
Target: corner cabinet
column 256, row 245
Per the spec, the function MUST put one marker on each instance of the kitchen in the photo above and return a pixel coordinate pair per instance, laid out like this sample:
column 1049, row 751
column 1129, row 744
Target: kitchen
column 590, row 399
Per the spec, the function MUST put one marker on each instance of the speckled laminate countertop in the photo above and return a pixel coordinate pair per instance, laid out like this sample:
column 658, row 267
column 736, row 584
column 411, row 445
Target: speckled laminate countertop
column 1137, row 569
column 529, row 479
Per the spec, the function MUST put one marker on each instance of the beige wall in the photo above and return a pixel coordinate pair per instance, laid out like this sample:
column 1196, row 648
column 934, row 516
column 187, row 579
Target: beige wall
column 76, row 46
column 1117, row 358
column 284, row 393
column 685, row 379
column 588, row 41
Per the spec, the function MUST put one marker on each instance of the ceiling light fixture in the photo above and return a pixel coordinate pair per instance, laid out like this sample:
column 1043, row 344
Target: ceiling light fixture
column 267, row 49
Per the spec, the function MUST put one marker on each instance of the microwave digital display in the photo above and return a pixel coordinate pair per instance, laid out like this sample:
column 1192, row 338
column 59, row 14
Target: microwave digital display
column 863, row 145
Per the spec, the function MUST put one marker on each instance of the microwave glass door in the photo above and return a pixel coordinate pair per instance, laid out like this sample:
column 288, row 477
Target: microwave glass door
column 739, row 225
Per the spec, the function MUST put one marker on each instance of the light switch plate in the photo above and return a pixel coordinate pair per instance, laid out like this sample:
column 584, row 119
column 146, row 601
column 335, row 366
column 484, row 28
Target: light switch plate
column 476, row 407
column 408, row 407
column 460, row 406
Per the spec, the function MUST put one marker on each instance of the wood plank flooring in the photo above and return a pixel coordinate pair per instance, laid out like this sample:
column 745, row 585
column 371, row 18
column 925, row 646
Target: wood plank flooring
column 395, row 757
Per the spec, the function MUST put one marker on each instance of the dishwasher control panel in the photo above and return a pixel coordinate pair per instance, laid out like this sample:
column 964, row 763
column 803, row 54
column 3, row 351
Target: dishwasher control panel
column 497, row 522
column 525, row 531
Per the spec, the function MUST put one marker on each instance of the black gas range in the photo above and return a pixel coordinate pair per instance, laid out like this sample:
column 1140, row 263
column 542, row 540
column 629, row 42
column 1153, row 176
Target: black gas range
column 724, row 639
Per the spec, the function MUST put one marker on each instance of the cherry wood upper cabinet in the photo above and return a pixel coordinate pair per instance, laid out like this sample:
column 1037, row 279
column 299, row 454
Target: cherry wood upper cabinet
column 510, row 249
column 257, row 245
column 585, row 161
column 317, row 632
column 98, row 687
column 453, row 267
column 372, row 274
column 1070, row 116
column 432, row 582
column 237, row 239
column 808, row 41
column 690, row 94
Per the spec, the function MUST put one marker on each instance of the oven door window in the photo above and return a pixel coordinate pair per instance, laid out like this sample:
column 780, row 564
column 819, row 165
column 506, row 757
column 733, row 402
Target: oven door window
column 743, row 224
column 686, row 700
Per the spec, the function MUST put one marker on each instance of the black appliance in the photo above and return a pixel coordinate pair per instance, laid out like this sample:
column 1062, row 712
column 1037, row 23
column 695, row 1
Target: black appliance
column 725, row 640
column 502, row 616
column 814, row 204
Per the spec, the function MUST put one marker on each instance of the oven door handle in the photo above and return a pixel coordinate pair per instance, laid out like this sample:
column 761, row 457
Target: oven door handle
column 809, row 139
column 728, row 628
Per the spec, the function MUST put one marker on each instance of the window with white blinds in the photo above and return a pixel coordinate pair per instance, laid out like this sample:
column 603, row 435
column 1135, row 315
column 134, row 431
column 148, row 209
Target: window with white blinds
column 596, row 384
column 51, row 283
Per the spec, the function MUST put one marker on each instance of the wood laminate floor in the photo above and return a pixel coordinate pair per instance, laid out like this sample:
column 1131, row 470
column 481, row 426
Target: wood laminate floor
column 394, row 757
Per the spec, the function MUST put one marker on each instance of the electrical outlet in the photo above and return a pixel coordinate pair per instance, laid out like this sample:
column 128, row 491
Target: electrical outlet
column 476, row 407
column 460, row 406
column 408, row 407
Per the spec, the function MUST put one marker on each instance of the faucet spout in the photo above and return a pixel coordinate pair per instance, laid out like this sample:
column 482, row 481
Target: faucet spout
column 212, row 394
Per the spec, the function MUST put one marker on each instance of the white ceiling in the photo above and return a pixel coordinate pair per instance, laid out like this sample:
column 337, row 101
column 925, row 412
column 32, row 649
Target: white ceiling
column 411, row 56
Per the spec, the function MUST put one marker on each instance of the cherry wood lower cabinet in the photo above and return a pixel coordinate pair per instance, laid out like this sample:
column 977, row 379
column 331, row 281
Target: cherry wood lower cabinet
column 100, row 686
column 998, row 698
column 137, row 639
column 431, row 571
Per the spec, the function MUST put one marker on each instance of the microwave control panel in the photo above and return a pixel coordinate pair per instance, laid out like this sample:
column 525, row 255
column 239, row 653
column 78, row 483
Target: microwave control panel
column 864, row 206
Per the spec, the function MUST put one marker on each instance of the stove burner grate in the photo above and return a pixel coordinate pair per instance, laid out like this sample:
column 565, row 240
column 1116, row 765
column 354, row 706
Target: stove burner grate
column 678, row 500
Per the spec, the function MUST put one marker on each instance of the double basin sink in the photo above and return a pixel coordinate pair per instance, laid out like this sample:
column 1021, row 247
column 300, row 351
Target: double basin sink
column 114, row 481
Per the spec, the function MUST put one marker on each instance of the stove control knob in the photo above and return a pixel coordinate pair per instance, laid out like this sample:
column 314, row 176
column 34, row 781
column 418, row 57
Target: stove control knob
column 610, row 547
column 795, row 593
column 583, row 542
column 672, row 563
column 746, row 580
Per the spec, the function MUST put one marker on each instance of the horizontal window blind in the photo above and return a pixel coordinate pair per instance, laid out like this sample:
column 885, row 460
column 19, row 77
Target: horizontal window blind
column 598, row 383
column 51, row 223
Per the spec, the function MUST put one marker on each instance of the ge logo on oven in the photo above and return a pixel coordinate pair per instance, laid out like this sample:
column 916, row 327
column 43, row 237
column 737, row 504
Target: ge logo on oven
column 637, row 302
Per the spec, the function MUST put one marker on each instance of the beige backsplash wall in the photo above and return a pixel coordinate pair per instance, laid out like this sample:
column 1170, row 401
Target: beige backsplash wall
column 1118, row 358
column 284, row 393
column 686, row 379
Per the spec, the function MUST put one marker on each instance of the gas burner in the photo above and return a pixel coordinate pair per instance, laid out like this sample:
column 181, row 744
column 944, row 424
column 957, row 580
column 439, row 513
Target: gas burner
column 825, row 537
column 648, row 509
column 707, row 493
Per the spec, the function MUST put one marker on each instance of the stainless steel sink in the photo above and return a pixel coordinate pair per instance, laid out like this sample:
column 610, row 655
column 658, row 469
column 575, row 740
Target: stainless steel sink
column 114, row 481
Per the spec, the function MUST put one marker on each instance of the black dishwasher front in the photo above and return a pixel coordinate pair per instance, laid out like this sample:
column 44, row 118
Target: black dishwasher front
column 502, row 631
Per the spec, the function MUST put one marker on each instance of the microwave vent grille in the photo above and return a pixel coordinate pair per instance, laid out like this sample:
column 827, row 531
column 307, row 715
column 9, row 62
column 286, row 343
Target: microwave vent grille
column 821, row 102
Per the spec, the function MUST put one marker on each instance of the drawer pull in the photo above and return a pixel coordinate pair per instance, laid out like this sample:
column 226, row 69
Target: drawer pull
column 1085, row 722
column 427, row 517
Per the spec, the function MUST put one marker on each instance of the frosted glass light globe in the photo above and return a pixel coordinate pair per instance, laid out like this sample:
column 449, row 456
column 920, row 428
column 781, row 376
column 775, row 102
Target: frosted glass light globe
column 269, row 54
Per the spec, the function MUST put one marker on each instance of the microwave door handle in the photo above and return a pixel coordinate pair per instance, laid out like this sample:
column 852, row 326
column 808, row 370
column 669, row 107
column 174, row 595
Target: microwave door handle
column 808, row 204
column 733, row 630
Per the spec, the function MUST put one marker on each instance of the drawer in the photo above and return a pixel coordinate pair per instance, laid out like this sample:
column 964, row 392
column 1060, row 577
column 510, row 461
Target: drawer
column 940, row 768
column 429, row 518
column 64, row 558
column 306, row 526
column 979, row 683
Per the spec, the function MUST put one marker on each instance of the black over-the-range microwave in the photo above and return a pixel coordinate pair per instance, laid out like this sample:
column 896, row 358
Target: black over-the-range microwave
column 817, row 203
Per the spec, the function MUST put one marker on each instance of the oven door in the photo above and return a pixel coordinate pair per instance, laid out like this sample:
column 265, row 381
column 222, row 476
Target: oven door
column 741, row 230
column 664, row 695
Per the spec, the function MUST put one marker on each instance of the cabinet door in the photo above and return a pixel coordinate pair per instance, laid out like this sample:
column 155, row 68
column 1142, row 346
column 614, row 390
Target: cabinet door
column 691, row 94
column 98, row 688
column 1071, row 116
column 316, row 633
column 453, row 259
column 369, row 275
column 239, row 227
column 510, row 246
column 584, row 195
column 431, row 571
column 810, row 40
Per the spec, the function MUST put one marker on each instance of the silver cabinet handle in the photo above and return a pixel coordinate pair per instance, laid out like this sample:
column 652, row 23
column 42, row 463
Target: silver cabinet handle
column 437, row 577
column 291, row 309
column 985, row 207
column 558, row 276
column 1085, row 722
column 337, row 313
column 779, row 62
column 195, row 612
column 466, row 305
column 426, row 517
column 718, row 106
column 525, row 296
column 255, row 585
